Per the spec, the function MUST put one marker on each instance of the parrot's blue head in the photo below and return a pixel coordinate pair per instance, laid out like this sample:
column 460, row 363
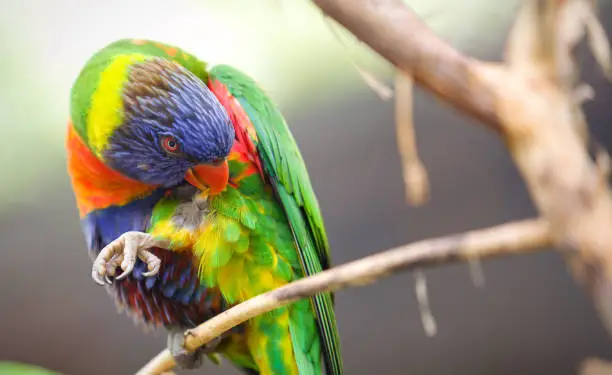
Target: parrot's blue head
column 174, row 129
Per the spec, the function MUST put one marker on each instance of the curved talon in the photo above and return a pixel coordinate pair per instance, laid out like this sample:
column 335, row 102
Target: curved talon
column 111, row 266
column 122, row 253
column 153, row 263
column 97, row 278
column 126, row 271
column 151, row 273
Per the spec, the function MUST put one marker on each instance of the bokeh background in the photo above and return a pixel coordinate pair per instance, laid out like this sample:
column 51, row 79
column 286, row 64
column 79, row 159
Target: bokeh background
column 529, row 318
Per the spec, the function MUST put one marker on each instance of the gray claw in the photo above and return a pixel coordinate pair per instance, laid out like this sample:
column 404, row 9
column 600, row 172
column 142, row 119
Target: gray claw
column 153, row 272
column 126, row 249
column 97, row 278
column 126, row 272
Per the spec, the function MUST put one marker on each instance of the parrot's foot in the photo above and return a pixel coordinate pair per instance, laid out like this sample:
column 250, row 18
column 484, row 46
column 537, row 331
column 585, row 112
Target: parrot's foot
column 185, row 359
column 122, row 253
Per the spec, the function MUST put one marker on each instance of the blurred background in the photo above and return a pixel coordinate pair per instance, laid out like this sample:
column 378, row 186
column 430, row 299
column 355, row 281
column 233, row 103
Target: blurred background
column 529, row 318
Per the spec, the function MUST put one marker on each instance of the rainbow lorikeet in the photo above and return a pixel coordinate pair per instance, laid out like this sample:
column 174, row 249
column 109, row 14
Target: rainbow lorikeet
column 190, row 185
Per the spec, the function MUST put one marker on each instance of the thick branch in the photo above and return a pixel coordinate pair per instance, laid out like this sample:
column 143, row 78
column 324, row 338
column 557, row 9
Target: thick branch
column 516, row 237
column 390, row 28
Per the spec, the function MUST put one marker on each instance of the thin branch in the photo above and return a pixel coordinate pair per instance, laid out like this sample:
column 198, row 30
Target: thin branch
column 427, row 319
column 416, row 182
column 383, row 91
column 530, row 100
column 511, row 238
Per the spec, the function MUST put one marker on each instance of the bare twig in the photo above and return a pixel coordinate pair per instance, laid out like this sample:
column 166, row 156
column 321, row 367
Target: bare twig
column 397, row 34
column 477, row 273
column 510, row 238
column 427, row 318
column 383, row 91
column 416, row 182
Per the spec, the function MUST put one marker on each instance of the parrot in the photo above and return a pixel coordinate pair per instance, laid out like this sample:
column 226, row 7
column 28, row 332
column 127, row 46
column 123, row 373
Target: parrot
column 193, row 197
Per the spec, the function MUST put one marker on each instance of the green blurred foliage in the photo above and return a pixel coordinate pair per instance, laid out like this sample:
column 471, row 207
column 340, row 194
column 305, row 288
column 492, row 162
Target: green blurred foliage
column 14, row 368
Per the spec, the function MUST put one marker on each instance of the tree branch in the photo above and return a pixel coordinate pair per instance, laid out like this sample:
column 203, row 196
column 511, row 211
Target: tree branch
column 390, row 28
column 510, row 238
column 531, row 100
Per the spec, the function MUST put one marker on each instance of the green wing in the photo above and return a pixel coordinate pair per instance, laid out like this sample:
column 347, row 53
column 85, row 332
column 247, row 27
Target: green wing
column 285, row 168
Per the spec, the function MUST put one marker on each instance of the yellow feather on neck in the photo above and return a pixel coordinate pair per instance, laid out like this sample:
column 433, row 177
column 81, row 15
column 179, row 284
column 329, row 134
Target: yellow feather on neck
column 106, row 113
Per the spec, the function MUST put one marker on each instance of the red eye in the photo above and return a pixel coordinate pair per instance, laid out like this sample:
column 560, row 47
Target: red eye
column 170, row 144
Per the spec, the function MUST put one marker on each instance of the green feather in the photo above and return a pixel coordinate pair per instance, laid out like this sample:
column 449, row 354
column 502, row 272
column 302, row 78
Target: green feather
column 278, row 150
column 262, row 252
column 286, row 171
column 242, row 245
column 232, row 232
column 164, row 209
column 283, row 270
column 221, row 254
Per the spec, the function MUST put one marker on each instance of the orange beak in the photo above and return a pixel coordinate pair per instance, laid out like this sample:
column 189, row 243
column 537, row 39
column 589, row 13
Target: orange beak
column 213, row 178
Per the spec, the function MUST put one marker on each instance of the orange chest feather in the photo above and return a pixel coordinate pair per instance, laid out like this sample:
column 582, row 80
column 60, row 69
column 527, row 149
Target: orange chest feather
column 95, row 185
